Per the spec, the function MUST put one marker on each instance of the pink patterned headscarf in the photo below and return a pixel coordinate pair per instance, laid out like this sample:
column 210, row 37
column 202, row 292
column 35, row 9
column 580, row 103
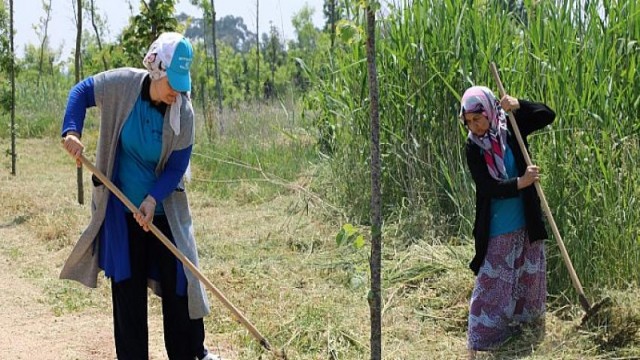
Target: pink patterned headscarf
column 480, row 99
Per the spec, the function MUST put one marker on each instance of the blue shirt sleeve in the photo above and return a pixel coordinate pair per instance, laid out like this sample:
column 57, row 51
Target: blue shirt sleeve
column 172, row 173
column 81, row 97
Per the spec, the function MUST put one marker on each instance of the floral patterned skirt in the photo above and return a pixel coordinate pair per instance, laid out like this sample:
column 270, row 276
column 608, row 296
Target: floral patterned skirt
column 510, row 290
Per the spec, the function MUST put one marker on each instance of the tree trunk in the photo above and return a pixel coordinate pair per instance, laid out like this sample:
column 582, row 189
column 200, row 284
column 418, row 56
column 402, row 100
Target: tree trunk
column 95, row 29
column 44, row 42
column 258, row 89
column 332, row 21
column 78, row 54
column 205, row 110
column 78, row 65
column 13, row 92
column 154, row 26
column 273, row 66
column 208, row 120
column 375, row 296
column 216, row 70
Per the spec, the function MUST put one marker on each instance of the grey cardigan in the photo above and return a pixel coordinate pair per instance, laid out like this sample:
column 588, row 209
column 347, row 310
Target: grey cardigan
column 116, row 92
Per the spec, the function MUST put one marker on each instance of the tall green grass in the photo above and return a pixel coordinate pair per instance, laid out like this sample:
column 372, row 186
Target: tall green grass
column 579, row 57
column 39, row 110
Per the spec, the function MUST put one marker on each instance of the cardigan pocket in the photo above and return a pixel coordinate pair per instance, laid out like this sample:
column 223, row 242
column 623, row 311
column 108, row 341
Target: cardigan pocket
column 96, row 182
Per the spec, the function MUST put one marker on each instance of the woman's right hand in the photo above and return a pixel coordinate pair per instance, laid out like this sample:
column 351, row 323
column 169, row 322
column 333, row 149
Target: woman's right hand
column 74, row 146
column 531, row 175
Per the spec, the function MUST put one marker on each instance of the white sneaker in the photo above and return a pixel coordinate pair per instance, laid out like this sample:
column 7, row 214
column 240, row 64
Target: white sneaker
column 211, row 356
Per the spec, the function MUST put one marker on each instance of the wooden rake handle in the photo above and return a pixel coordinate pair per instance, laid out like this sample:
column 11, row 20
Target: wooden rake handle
column 237, row 314
column 543, row 200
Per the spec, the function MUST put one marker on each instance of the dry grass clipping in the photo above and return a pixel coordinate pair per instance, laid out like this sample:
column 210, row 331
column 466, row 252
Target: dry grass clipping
column 614, row 326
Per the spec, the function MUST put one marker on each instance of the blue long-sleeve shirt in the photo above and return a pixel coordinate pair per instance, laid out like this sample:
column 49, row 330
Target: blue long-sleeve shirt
column 81, row 97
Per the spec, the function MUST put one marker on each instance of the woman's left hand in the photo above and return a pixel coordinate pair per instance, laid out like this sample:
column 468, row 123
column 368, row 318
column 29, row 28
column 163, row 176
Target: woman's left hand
column 145, row 216
column 509, row 103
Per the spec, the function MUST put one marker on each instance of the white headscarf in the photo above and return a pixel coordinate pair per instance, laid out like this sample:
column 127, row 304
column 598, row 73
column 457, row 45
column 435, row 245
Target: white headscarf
column 157, row 61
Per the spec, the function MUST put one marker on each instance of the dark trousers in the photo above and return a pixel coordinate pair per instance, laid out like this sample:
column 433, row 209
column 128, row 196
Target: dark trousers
column 183, row 337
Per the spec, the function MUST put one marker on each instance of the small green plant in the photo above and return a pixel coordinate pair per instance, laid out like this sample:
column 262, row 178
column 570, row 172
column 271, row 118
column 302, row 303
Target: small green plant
column 350, row 236
column 355, row 262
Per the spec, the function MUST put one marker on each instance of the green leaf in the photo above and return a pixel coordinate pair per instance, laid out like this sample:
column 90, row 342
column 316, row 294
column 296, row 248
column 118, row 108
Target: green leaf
column 358, row 243
column 349, row 229
column 341, row 237
column 348, row 32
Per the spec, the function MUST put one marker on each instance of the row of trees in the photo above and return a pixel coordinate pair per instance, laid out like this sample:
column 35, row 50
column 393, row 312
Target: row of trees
column 227, row 69
column 228, row 66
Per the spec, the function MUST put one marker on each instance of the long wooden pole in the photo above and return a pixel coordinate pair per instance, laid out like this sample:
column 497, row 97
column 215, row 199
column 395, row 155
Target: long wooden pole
column 174, row 250
column 543, row 200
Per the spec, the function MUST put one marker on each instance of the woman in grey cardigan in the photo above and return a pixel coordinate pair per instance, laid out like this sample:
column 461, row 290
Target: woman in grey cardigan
column 144, row 146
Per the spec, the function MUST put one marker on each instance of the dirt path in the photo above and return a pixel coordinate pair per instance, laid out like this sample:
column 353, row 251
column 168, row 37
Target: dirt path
column 31, row 330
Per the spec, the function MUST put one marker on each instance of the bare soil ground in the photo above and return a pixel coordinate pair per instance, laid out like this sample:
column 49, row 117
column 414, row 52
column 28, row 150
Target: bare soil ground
column 31, row 330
